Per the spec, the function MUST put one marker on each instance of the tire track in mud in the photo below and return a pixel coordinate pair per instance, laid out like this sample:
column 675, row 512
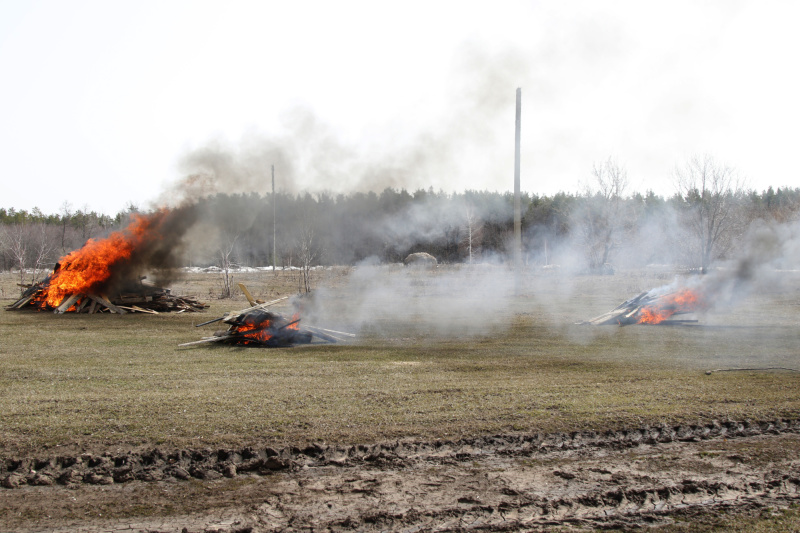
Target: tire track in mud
column 207, row 464
column 491, row 483
column 587, row 486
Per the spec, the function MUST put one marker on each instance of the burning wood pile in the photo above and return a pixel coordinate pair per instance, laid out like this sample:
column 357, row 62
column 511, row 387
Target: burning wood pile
column 255, row 326
column 655, row 306
column 139, row 297
column 103, row 275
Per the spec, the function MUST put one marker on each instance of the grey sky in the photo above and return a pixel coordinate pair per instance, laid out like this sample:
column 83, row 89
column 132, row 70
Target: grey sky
column 105, row 103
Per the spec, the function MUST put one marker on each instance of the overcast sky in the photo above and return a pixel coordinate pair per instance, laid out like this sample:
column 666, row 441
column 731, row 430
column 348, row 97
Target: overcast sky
column 103, row 104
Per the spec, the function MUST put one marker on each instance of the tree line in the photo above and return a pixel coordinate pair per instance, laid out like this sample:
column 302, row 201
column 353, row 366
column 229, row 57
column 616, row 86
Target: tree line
column 602, row 227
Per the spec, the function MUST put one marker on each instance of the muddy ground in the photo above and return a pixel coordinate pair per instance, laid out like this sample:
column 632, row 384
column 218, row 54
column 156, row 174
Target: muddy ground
column 627, row 479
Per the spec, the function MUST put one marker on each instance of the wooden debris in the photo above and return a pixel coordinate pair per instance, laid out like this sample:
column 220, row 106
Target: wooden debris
column 330, row 334
column 653, row 307
column 136, row 308
column 757, row 369
column 67, row 303
column 204, row 340
column 21, row 302
column 81, row 305
column 141, row 298
column 258, row 327
column 247, row 294
column 255, row 326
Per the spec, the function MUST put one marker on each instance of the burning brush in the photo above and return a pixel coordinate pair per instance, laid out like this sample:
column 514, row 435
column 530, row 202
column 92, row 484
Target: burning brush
column 255, row 326
column 103, row 274
column 655, row 306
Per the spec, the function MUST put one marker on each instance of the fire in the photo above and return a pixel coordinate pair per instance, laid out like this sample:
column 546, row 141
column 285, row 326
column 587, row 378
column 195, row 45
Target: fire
column 683, row 301
column 256, row 329
column 262, row 327
column 260, row 334
column 89, row 269
column 651, row 315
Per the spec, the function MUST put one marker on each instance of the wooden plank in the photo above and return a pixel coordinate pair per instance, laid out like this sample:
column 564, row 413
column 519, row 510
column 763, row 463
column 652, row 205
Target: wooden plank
column 130, row 298
column 136, row 308
column 207, row 322
column 324, row 336
column 633, row 301
column 21, row 302
column 609, row 318
column 82, row 305
column 102, row 300
column 67, row 303
column 247, row 294
column 235, row 314
column 206, row 340
column 333, row 331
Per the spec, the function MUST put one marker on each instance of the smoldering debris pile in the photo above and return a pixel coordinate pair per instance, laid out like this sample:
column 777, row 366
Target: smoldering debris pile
column 655, row 306
column 256, row 326
column 134, row 297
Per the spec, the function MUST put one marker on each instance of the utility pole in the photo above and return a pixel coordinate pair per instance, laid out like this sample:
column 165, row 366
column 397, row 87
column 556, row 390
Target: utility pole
column 517, row 203
column 274, row 219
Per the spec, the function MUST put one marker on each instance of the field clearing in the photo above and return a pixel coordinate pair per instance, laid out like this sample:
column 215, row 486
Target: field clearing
column 92, row 381
column 76, row 384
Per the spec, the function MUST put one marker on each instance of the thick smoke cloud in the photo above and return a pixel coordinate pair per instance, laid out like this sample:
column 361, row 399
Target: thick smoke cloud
column 309, row 155
column 767, row 252
column 160, row 241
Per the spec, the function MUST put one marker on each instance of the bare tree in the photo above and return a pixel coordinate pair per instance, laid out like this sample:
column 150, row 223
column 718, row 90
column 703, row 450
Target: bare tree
column 15, row 244
column 226, row 254
column 708, row 192
column 42, row 245
column 307, row 251
column 29, row 246
column 602, row 217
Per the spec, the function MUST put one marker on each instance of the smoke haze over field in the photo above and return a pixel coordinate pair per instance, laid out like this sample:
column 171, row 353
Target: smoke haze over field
column 389, row 300
column 473, row 301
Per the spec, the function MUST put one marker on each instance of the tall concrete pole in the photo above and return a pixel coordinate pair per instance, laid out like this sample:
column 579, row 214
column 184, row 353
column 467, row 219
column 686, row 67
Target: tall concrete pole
column 517, row 202
column 274, row 218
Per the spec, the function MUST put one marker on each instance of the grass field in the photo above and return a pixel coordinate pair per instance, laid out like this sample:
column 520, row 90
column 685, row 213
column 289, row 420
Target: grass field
column 102, row 382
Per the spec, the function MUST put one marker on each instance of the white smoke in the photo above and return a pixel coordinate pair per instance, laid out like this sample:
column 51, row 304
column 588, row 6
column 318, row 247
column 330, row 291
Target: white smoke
column 391, row 300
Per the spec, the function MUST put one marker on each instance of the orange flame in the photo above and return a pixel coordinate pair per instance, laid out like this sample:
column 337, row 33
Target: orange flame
column 88, row 269
column 261, row 329
column 683, row 301
column 259, row 332
column 652, row 315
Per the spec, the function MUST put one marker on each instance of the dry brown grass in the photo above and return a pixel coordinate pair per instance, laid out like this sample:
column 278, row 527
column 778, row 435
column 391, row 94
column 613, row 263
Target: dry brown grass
column 98, row 382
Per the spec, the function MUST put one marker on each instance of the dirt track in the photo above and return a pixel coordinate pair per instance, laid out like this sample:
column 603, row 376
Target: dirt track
column 497, row 483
